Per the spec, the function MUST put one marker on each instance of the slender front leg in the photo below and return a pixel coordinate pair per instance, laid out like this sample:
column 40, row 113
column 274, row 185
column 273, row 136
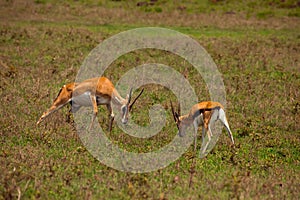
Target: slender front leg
column 95, row 109
column 195, row 135
column 203, row 135
column 206, row 128
column 209, row 134
column 203, row 141
column 111, row 116
column 195, row 140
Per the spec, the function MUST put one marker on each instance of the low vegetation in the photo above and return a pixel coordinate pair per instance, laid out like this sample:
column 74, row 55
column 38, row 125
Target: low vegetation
column 256, row 48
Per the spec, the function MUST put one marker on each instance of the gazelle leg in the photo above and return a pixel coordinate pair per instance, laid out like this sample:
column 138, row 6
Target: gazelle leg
column 209, row 138
column 203, row 135
column 208, row 121
column 224, row 121
column 95, row 109
column 209, row 133
column 205, row 128
column 111, row 116
column 203, row 146
column 195, row 136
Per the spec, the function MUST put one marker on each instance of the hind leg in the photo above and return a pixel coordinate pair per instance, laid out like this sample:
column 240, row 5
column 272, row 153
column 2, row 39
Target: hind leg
column 111, row 117
column 195, row 136
column 206, row 128
column 95, row 110
column 224, row 121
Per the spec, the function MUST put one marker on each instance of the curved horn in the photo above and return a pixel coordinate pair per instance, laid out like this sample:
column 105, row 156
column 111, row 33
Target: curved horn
column 129, row 96
column 175, row 115
column 130, row 106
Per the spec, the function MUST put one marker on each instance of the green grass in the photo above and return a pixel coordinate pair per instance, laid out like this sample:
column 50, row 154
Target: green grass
column 259, row 8
column 259, row 64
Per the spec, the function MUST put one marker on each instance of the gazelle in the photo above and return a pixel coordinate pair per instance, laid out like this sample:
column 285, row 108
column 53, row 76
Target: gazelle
column 92, row 92
column 205, row 114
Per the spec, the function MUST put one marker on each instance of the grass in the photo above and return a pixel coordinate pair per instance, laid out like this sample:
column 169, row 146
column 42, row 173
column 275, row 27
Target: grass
column 256, row 53
column 259, row 8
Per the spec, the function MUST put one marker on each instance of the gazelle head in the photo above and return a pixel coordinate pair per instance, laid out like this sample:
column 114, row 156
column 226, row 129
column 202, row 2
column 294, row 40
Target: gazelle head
column 63, row 97
column 179, row 120
column 126, row 108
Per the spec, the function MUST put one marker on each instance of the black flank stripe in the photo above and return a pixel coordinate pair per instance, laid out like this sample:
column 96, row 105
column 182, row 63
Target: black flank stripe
column 200, row 111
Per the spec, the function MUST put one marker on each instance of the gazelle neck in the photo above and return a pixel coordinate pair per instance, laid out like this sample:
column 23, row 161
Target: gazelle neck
column 187, row 119
column 117, row 99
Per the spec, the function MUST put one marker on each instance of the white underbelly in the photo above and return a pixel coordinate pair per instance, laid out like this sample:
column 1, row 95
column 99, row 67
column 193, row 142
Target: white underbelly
column 101, row 100
column 83, row 99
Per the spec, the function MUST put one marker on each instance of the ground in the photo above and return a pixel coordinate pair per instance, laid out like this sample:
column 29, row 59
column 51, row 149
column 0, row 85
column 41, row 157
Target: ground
column 255, row 45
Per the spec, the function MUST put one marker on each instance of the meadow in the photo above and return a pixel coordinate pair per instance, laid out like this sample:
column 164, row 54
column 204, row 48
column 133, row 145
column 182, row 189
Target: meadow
column 255, row 45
